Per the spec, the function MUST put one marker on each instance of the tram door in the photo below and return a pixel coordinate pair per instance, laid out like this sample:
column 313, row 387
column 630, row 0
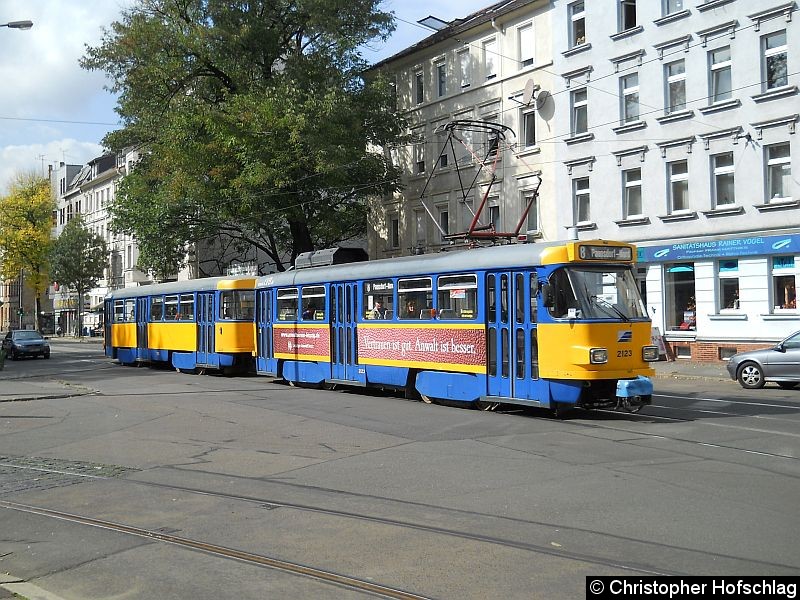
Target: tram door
column 266, row 363
column 205, row 330
column 512, row 349
column 108, row 317
column 142, row 310
column 343, row 332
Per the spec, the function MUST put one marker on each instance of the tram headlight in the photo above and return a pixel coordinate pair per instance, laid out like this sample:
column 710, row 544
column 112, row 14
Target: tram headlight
column 650, row 353
column 598, row 356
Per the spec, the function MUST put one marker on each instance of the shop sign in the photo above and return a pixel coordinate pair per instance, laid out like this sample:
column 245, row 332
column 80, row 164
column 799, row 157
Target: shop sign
column 749, row 246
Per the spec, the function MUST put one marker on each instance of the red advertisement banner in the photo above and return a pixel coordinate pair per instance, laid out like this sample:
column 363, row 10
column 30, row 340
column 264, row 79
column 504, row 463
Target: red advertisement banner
column 302, row 342
column 432, row 347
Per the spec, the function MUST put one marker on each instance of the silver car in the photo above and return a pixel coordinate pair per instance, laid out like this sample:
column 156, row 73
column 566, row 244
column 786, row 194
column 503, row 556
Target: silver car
column 780, row 364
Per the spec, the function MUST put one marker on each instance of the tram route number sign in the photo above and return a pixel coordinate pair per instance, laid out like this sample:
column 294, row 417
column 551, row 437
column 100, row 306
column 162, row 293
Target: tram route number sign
column 590, row 252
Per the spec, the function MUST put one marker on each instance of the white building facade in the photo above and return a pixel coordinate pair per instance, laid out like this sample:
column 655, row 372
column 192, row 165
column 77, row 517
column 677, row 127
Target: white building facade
column 671, row 124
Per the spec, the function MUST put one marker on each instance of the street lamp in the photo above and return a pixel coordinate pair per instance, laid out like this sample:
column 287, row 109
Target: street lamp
column 18, row 24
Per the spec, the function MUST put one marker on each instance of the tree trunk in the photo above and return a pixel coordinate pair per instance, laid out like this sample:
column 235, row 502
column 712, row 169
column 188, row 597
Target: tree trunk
column 301, row 238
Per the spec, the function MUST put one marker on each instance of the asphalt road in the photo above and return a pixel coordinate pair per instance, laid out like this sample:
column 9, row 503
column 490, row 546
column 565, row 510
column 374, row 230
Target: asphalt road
column 165, row 485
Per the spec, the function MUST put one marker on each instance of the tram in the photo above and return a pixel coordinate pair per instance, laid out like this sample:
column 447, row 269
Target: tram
column 190, row 325
column 552, row 325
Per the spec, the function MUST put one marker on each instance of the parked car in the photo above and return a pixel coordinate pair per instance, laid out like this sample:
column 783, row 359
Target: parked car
column 780, row 363
column 25, row 342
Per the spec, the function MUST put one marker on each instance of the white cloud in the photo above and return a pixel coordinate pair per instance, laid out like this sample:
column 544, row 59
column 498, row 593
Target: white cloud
column 27, row 158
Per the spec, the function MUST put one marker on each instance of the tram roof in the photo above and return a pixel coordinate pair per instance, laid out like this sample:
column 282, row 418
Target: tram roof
column 475, row 259
column 204, row 284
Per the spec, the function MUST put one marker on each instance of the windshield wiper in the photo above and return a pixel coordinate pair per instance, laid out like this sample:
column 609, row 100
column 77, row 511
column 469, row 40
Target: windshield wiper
column 603, row 303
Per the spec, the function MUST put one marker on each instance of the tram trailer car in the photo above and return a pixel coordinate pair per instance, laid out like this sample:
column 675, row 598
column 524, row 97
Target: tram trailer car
column 190, row 325
column 553, row 325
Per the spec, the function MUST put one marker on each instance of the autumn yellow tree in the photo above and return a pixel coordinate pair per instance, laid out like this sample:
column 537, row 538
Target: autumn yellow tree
column 26, row 217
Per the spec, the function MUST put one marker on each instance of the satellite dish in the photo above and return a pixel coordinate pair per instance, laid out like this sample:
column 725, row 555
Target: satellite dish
column 530, row 89
column 541, row 98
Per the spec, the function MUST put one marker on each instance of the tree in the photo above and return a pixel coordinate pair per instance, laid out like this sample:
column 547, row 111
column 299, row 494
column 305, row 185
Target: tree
column 254, row 123
column 78, row 259
column 26, row 216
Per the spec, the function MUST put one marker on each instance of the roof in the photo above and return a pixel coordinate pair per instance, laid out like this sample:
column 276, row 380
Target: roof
column 456, row 26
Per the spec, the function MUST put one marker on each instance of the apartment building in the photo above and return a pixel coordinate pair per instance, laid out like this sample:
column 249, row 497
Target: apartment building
column 669, row 123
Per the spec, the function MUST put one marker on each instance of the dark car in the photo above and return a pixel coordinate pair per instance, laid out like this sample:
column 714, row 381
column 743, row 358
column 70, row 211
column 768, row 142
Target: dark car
column 24, row 342
column 780, row 363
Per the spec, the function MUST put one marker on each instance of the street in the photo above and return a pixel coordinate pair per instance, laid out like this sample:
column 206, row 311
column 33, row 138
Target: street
column 149, row 483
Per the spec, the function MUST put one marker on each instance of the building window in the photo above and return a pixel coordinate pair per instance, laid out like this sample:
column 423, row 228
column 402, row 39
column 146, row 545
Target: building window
column 580, row 195
column 784, row 283
column 526, row 45
column 464, row 68
column 629, row 86
column 492, row 139
column 681, row 309
column 444, row 221
column 676, row 85
column 494, row 214
column 579, row 112
column 419, row 154
column 632, row 193
column 627, row 14
column 528, row 121
column 672, row 6
column 532, row 218
column 774, row 65
column 443, row 160
column 779, row 172
column 722, row 167
column 394, row 232
column 467, row 214
column 678, row 186
column 577, row 32
column 728, row 272
column 720, row 65
column 490, row 58
column 419, row 87
column 441, row 79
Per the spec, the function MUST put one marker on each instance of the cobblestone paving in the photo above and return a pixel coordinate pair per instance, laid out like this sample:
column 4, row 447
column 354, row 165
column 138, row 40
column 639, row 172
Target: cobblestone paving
column 23, row 473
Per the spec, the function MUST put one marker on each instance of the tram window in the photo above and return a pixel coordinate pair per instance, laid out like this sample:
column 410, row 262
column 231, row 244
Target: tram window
column 504, row 298
column 520, row 358
column 186, row 308
column 491, row 300
column 505, row 350
column 237, row 305
column 171, row 308
column 119, row 311
column 519, row 286
column 130, row 310
column 534, row 298
column 415, row 297
column 156, row 308
column 458, row 297
column 378, row 299
column 287, row 304
column 563, row 296
column 492, row 351
column 534, row 355
column 313, row 303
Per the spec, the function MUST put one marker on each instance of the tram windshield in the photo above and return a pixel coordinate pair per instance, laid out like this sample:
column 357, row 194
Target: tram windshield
column 596, row 293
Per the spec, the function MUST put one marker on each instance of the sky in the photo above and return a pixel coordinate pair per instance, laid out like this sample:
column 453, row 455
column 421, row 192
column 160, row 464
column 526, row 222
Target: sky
column 53, row 111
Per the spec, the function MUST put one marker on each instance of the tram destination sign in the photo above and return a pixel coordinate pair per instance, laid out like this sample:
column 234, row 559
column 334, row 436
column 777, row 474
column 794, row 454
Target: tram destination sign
column 592, row 252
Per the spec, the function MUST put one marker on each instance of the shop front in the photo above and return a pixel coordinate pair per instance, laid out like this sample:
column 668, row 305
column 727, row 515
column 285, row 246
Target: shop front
column 713, row 297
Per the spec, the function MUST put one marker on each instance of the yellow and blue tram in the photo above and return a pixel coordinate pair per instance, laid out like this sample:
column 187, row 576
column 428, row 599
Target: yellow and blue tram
column 197, row 324
column 551, row 325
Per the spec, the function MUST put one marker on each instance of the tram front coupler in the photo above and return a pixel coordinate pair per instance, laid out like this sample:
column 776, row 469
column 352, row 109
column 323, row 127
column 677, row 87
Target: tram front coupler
column 633, row 394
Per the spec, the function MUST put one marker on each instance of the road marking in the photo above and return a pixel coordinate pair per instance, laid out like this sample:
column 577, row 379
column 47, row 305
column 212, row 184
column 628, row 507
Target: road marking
column 764, row 404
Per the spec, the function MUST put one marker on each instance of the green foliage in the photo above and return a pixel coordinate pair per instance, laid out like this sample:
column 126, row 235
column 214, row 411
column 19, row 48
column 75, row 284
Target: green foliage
column 78, row 257
column 26, row 215
column 255, row 121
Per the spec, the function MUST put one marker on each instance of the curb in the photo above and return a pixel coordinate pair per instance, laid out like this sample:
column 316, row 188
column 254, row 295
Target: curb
column 25, row 590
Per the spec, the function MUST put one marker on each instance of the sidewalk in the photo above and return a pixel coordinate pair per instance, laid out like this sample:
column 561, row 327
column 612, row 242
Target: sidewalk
column 689, row 369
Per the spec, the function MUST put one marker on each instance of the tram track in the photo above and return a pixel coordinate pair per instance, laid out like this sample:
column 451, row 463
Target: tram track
column 503, row 542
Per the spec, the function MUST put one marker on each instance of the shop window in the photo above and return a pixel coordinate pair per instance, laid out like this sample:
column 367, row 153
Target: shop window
column 728, row 271
column 784, row 284
column 681, row 308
